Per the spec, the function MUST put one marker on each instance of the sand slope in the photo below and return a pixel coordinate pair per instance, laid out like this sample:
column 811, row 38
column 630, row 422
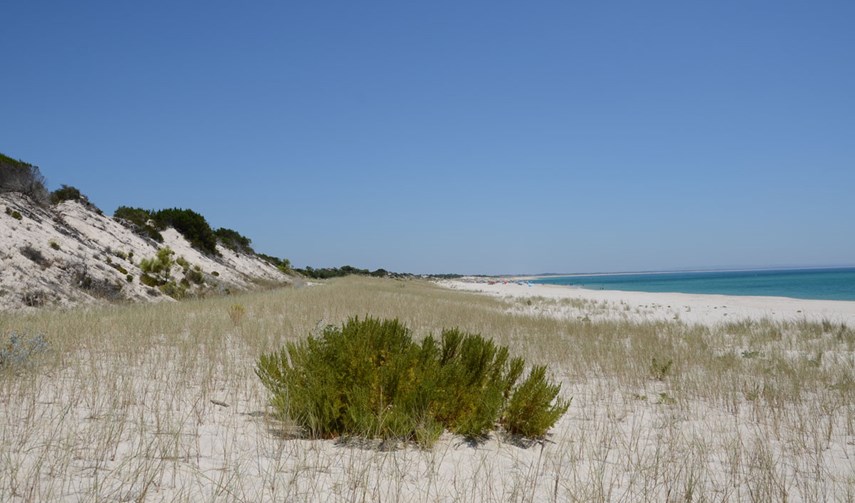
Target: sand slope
column 71, row 254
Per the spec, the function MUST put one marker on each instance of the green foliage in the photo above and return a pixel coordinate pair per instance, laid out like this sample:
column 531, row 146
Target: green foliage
column 175, row 290
column 148, row 280
column 191, row 225
column 118, row 267
column 14, row 214
column 66, row 193
column 233, row 240
column 369, row 378
column 140, row 220
column 347, row 270
column 156, row 270
column 283, row 264
column 534, row 408
column 194, row 276
column 19, row 176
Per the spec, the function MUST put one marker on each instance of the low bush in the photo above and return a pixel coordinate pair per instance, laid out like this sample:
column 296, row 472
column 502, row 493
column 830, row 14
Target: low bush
column 283, row 264
column 175, row 290
column 102, row 288
column 233, row 240
column 159, row 267
column 35, row 255
column 35, row 298
column 140, row 221
column 14, row 214
column 148, row 280
column 191, row 225
column 66, row 193
column 369, row 378
column 20, row 176
column 194, row 276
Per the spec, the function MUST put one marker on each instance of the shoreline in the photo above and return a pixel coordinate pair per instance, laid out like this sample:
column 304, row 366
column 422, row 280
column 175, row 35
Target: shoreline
column 530, row 277
column 706, row 309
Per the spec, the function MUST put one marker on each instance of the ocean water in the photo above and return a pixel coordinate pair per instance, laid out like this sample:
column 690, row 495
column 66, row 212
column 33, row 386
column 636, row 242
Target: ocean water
column 825, row 284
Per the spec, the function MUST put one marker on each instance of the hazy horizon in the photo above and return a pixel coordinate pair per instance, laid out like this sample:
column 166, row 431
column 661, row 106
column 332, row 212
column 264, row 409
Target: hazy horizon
column 476, row 138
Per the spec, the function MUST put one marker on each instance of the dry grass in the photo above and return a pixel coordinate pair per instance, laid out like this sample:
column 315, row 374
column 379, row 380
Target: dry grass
column 160, row 403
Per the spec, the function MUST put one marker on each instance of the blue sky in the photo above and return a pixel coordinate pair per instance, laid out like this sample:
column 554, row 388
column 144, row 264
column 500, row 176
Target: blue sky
column 470, row 137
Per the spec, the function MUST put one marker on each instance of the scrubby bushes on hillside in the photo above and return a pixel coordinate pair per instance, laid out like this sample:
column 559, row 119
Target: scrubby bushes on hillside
column 156, row 270
column 369, row 378
column 191, row 225
column 69, row 193
column 19, row 176
column 337, row 272
column 142, row 221
column 233, row 240
column 65, row 193
column 283, row 264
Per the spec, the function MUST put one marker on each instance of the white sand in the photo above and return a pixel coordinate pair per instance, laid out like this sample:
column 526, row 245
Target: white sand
column 74, row 241
column 690, row 308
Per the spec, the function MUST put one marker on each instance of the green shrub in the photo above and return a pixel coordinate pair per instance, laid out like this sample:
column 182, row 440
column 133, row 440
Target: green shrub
column 140, row 220
column 283, row 264
column 65, row 193
column 194, row 276
column 118, row 268
column 14, row 214
column 156, row 270
column 233, row 240
column 369, row 378
column 191, row 225
column 151, row 281
column 175, row 290
column 531, row 412
column 20, row 176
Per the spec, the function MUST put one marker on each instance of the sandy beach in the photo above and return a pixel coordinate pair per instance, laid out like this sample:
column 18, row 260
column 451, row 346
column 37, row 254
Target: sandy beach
column 160, row 402
column 648, row 306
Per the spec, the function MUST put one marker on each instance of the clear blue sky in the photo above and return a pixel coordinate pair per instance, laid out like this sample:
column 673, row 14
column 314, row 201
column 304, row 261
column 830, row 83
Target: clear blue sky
column 454, row 136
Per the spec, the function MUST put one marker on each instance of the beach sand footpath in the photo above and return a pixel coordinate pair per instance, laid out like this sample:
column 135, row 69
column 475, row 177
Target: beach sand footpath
column 577, row 303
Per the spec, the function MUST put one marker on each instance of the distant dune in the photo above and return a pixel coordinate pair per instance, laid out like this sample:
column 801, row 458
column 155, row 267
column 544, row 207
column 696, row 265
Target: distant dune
column 70, row 253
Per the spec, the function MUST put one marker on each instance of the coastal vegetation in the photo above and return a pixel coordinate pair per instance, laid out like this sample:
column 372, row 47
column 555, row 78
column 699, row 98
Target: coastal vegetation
column 368, row 378
column 20, row 176
column 193, row 226
column 338, row 272
column 131, row 402
column 234, row 240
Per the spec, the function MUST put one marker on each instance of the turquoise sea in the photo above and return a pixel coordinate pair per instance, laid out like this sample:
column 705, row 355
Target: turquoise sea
column 825, row 284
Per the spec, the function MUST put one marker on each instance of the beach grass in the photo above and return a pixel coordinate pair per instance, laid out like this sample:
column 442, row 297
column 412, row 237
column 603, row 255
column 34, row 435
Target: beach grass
column 160, row 402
